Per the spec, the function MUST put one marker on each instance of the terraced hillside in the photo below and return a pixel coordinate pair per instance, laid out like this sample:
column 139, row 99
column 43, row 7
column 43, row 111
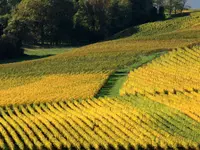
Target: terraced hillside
column 158, row 107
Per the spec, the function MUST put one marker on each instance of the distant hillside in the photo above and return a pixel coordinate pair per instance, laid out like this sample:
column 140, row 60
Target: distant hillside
column 184, row 27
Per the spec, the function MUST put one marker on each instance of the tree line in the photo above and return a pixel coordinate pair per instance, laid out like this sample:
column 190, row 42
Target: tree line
column 55, row 22
column 172, row 6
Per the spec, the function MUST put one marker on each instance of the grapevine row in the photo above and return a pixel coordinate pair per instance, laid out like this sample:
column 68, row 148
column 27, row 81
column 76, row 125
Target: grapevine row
column 96, row 123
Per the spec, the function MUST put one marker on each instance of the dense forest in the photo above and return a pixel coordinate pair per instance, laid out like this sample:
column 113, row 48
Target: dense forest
column 56, row 22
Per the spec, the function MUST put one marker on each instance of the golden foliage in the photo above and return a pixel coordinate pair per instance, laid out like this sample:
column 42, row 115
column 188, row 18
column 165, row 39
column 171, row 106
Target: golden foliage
column 53, row 88
column 186, row 102
column 176, row 71
column 96, row 123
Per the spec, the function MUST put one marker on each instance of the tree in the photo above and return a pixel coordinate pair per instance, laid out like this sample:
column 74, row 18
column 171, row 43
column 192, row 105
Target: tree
column 141, row 10
column 103, row 18
column 175, row 5
column 158, row 3
column 154, row 14
column 41, row 20
column 181, row 4
column 161, row 13
column 29, row 18
column 7, row 5
column 170, row 6
column 57, row 21
column 91, row 17
column 10, row 46
column 1, row 30
column 160, row 6
column 13, row 3
column 60, row 18
column 119, row 15
column 4, row 8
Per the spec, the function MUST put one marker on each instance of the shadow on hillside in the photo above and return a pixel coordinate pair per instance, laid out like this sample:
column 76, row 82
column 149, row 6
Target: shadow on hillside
column 23, row 58
column 125, row 33
column 184, row 14
column 129, row 147
column 39, row 46
column 173, row 16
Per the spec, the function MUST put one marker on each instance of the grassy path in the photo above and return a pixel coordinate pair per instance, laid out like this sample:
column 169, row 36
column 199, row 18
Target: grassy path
column 116, row 80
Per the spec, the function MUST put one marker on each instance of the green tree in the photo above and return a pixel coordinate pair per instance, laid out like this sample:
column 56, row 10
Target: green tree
column 56, row 21
column 141, row 10
column 29, row 19
column 103, row 17
column 60, row 20
column 41, row 20
column 7, row 5
column 119, row 15
column 4, row 7
column 179, row 5
column 158, row 3
column 1, row 30
column 91, row 15
column 13, row 3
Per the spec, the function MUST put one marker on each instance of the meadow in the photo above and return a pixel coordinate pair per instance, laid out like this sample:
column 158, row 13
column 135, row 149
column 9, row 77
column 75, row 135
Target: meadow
column 139, row 90
column 39, row 51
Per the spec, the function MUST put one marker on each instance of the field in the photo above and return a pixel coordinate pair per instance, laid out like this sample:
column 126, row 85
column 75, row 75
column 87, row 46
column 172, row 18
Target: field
column 38, row 51
column 124, row 122
column 165, row 29
column 139, row 90
column 67, row 86
column 176, row 71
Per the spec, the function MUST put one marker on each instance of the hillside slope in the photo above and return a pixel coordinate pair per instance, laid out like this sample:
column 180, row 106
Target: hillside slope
column 176, row 71
column 158, row 109
column 127, row 122
column 176, row 28
column 100, row 58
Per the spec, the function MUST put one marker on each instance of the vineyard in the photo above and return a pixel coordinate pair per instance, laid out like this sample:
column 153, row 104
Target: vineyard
column 125, row 122
column 164, row 29
column 176, row 71
column 67, row 86
column 60, row 102
column 186, row 102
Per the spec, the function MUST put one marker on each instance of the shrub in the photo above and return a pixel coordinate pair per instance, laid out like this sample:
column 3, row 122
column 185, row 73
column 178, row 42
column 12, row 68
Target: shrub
column 10, row 47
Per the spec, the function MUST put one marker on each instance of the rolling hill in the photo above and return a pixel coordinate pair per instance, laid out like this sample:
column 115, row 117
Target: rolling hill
column 49, row 103
column 100, row 58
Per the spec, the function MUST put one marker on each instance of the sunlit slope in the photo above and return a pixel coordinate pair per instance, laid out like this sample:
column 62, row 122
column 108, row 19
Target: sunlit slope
column 101, row 58
column 125, row 122
column 50, row 88
column 109, row 55
column 173, row 80
column 175, row 28
column 186, row 102
column 176, row 71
